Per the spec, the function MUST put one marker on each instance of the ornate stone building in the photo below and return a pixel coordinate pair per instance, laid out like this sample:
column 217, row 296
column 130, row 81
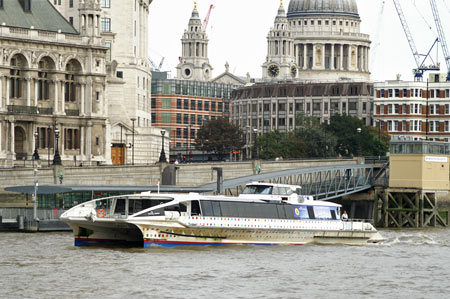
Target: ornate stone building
column 317, row 41
column 317, row 64
column 123, row 27
column 182, row 105
column 52, row 79
column 194, row 62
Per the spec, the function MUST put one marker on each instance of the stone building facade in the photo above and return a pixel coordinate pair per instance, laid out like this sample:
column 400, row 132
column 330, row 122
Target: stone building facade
column 194, row 62
column 51, row 78
column 123, row 27
column 317, row 41
column 317, row 64
column 400, row 109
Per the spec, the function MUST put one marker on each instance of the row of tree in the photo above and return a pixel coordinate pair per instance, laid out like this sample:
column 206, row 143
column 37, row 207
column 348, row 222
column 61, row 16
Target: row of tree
column 343, row 136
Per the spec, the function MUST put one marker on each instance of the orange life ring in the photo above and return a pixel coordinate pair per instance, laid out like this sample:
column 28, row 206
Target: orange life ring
column 101, row 213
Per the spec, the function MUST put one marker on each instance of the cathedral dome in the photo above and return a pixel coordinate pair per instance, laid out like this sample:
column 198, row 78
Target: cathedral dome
column 305, row 8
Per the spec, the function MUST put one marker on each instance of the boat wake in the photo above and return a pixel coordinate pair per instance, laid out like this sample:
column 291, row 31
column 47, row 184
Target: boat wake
column 419, row 238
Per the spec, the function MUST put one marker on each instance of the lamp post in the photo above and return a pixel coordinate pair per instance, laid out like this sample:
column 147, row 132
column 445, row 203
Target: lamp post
column 255, row 146
column 36, row 153
column 121, row 146
column 187, row 142
column 358, row 136
column 48, row 145
column 162, row 156
column 57, row 157
column 132, row 146
column 203, row 150
column 379, row 128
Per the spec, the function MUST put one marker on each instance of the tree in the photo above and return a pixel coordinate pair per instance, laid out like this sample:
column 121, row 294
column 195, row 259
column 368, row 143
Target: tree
column 313, row 135
column 219, row 136
column 276, row 144
column 349, row 141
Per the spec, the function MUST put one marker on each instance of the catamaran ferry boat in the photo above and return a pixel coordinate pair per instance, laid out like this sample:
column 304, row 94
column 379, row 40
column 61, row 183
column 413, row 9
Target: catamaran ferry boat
column 264, row 214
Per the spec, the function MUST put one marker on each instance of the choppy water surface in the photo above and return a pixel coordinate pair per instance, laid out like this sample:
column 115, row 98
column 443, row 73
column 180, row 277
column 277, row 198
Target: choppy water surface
column 409, row 264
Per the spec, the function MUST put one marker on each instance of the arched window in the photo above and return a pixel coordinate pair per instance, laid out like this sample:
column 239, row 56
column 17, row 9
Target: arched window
column 70, row 88
column 46, row 65
column 18, row 63
column 73, row 68
column 15, row 84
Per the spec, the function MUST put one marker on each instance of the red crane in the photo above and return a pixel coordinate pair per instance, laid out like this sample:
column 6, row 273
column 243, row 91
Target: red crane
column 206, row 20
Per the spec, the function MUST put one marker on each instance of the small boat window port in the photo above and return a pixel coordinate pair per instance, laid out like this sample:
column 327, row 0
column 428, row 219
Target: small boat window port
column 264, row 214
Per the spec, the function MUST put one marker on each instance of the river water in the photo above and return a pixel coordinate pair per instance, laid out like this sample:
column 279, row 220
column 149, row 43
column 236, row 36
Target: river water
column 408, row 264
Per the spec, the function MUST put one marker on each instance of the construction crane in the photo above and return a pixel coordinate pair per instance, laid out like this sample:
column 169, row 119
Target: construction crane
column 437, row 20
column 206, row 20
column 153, row 64
column 421, row 68
column 377, row 34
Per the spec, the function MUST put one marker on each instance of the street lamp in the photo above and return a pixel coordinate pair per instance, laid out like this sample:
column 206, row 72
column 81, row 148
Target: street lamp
column 57, row 157
column 255, row 146
column 132, row 146
column 121, row 146
column 358, row 131
column 162, row 156
column 48, row 144
column 36, row 153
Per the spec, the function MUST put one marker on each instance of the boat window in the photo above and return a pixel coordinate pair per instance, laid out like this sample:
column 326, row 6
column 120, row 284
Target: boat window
column 311, row 213
column 281, row 212
column 246, row 209
column 325, row 212
column 206, row 208
column 289, row 191
column 160, row 211
column 216, row 208
column 229, row 209
column 333, row 215
column 157, row 212
column 172, row 208
column 137, row 205
column 260, row 210
column 283, row 190
column 120, row 206
column 257, row 189
column 267, row 210
column 195, row 207
column 183, row 207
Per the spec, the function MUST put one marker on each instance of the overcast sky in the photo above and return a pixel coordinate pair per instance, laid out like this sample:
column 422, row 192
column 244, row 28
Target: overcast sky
column 238, row 29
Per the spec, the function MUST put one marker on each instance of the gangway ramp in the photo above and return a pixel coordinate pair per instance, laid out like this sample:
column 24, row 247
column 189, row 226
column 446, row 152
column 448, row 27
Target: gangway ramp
column 324, row 183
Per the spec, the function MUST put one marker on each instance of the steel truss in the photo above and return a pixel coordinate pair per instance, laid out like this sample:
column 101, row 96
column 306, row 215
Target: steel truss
column 324, row 183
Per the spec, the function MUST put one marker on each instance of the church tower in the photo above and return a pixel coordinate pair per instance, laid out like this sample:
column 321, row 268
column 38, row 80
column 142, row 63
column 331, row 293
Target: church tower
column 280, row 61
column 194, row 62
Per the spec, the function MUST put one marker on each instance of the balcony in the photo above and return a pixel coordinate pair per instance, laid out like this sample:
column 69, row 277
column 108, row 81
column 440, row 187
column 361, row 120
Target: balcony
column 72, row 112
column 46, row 111
column 15, row 109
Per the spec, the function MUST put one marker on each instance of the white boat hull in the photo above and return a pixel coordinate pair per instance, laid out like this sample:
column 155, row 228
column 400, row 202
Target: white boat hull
column 214, row 231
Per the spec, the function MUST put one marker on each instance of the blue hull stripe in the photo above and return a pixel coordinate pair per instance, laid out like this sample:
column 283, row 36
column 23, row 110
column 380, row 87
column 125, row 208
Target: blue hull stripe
column 169, row 244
